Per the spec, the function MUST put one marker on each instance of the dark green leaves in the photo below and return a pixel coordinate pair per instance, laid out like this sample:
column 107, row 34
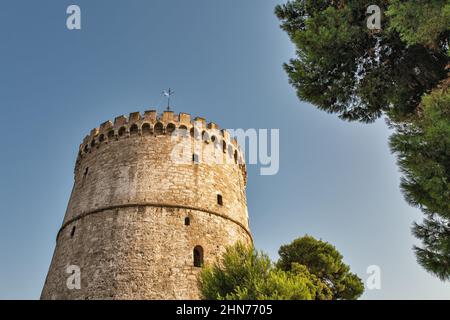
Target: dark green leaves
column 343, row 67
column 324, row 261
column 307, row 270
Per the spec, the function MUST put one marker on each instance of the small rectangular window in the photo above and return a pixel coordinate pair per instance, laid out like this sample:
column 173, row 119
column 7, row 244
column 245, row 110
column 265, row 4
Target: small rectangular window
column 195, row 158
column 219, row 200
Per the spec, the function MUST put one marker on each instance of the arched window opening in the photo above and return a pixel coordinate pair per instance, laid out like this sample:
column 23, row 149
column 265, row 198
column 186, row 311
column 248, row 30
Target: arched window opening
column 195, row 133
column 224, row 147
column 198, row 256
column 219, row 200
column 235, row 157
column 159, row 128
column 72, row 232
column 134, row 129
column 182, row 131
column 187, row 221
column 101, row 138
column 170, row 128
column 216, row 141
column 111, row 134
column 122, row 131
column 146, row 129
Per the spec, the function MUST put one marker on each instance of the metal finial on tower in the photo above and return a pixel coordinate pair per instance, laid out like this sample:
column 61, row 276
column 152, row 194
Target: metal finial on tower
column 168, row 94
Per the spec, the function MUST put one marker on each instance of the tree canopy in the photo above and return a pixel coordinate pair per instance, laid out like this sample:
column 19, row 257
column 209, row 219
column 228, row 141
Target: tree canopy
column 423, row 150
column 400, row 71
column 244, row 273
column 325, row 262
column 345, row 68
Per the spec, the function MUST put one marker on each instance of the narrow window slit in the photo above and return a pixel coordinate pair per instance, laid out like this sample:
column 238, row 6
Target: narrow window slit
column 198, row 256
column 72, row 233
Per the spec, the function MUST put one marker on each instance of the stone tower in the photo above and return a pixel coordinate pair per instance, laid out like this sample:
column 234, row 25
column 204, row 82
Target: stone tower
column 154, row 197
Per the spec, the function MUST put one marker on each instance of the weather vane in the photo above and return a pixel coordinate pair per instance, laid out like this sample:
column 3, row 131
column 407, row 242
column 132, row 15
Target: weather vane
column 168, row 94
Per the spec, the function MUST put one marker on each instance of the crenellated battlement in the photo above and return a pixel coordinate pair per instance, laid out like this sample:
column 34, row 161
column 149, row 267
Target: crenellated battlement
column 152, row 124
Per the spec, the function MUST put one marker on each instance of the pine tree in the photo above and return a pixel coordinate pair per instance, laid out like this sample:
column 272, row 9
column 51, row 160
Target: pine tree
column 423, row 150
column 343, row 67
column 325, row 262
column 246, row 274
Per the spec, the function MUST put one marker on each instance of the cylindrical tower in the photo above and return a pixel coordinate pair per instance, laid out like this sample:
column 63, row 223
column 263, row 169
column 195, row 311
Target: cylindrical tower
column 154, row 197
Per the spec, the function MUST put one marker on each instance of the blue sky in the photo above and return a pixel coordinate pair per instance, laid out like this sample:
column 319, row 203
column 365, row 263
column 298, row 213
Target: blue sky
column 337, row 180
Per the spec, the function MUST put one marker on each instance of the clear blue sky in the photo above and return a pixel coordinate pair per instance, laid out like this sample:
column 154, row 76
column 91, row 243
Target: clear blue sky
column 337, row 181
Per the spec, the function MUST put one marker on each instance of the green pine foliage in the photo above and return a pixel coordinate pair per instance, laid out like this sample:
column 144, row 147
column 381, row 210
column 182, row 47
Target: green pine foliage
column 238, row 274
column 325, row 262
column 343, row 67
column 434, row 255
column 420, row 22
column 423, row 150
column 246, row 274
